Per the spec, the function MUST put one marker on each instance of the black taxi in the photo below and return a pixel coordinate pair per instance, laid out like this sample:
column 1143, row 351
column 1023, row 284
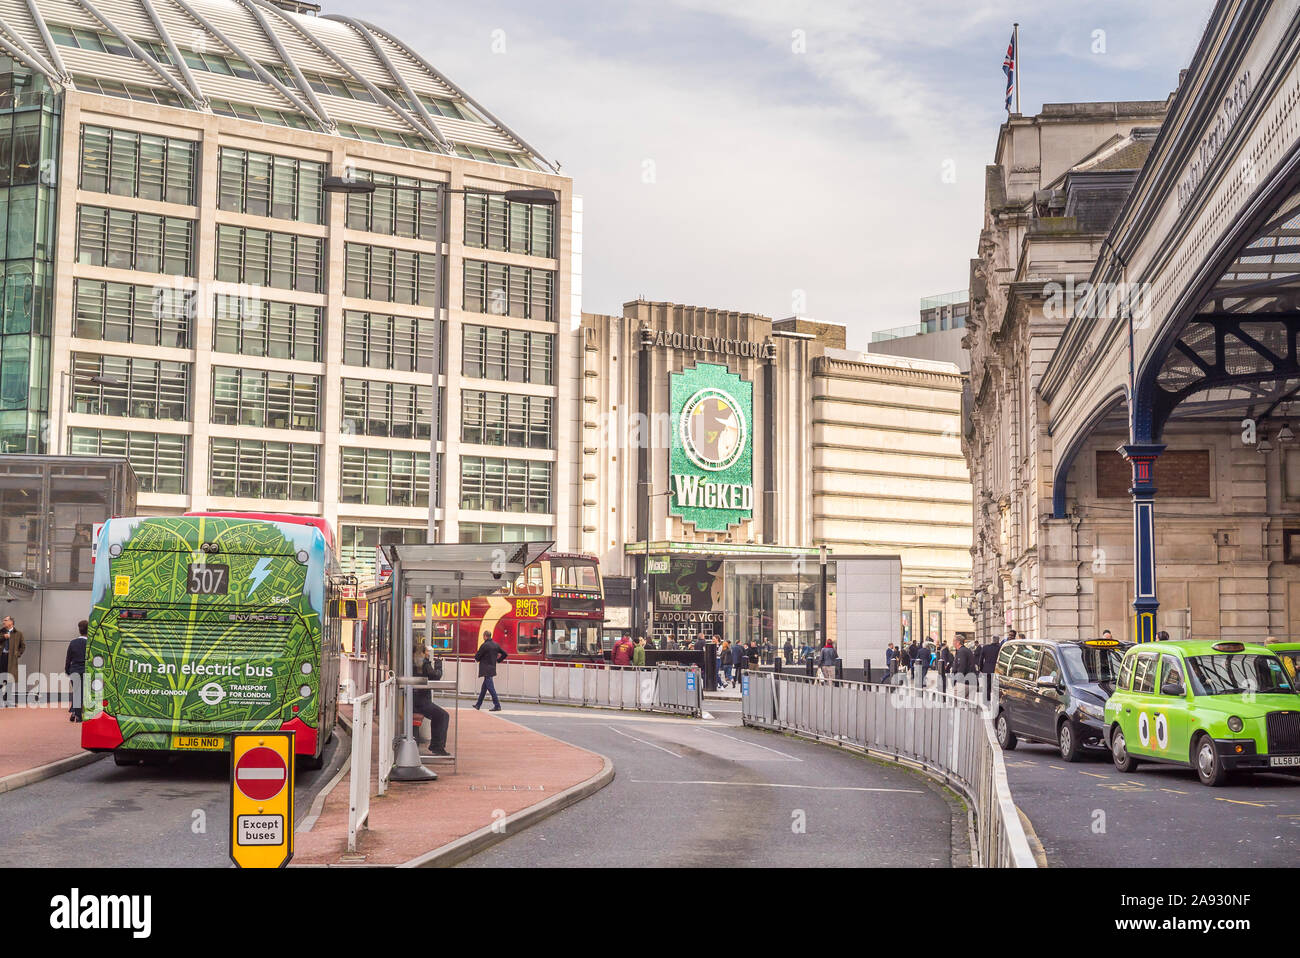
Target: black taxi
column 1055, row 692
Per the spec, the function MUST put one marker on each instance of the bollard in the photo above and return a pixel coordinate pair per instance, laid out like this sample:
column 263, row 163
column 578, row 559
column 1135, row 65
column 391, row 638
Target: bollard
column 808, row 668
column 778, row 665
column 839, row 668
column 866, row 670
column 710, row 668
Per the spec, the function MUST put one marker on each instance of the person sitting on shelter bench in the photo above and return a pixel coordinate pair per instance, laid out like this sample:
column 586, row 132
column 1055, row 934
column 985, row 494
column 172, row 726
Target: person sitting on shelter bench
column 488, row 656
column 422, row 701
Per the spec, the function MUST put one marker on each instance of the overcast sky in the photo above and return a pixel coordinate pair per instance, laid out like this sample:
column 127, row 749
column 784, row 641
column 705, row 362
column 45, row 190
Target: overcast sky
column 782, row 156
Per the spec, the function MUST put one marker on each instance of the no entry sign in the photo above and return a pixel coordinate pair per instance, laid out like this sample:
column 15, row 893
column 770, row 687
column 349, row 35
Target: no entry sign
column 261, row 799
column 260, row 773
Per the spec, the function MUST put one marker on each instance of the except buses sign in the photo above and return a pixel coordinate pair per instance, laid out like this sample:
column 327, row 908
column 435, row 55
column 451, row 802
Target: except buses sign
column 711, row 464
column 261, row 799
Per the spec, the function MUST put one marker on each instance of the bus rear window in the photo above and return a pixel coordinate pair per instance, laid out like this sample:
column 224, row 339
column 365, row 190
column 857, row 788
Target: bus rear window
column 574, row 573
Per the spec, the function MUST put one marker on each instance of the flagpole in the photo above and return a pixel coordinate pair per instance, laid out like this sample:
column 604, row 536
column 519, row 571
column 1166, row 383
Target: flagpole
column 1016, row 31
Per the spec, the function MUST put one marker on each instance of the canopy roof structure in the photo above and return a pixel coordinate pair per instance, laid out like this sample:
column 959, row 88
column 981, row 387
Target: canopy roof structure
column 455, row 572
column 259, row 61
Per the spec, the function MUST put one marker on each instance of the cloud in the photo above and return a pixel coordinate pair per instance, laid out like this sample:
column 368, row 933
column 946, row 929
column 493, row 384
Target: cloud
column 720, row 166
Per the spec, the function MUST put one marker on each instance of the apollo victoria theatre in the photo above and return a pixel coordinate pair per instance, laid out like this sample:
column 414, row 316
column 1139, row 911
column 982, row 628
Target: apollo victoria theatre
column 701, row 420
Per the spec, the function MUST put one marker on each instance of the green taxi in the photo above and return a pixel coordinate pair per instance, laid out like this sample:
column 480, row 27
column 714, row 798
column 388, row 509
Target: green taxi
column 1289, row 653
column 1214, row 706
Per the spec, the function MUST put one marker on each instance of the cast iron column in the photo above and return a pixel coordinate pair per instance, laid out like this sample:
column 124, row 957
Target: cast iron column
column 1143, row 457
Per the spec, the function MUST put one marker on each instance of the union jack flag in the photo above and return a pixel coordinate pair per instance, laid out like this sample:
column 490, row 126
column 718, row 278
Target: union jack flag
column 1009, row 68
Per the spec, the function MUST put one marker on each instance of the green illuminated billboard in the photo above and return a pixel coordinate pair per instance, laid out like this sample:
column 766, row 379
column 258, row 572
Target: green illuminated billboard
column 711, row 463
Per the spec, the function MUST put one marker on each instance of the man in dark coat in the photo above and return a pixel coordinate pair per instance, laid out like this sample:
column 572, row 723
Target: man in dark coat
column 988, row 663
column 489, row 656
column 74, row 666
column 963, row 662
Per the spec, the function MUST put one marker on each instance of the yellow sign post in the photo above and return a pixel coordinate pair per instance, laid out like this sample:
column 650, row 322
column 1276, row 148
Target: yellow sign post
column 261, row 799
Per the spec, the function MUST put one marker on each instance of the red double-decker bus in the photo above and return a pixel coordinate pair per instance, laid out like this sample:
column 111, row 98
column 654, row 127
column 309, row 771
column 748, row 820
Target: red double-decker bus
column 552, row 612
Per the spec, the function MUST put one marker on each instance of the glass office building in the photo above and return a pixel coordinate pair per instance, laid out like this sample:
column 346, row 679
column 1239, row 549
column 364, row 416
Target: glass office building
column 179, row 288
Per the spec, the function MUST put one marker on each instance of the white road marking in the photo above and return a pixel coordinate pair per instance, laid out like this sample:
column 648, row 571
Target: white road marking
column 644, row 742
column 741, row 741
column 816, row 788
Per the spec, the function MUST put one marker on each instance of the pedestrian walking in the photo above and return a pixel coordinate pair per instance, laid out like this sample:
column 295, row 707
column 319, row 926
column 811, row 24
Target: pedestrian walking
column 891, row 661
column 753, row 655
column 489, row 656
column 788, row 650
column 74, row 666
column 988, row 663
column 12, row 648
column 724, row 663
column 638, row 653
column 963, row 662
column 827, row 659
column 622, row 651
column 422, row 702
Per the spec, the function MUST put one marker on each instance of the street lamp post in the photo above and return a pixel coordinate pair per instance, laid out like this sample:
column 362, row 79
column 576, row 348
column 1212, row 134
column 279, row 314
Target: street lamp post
column 649, row 604
column 821, row 559
column 349, row 185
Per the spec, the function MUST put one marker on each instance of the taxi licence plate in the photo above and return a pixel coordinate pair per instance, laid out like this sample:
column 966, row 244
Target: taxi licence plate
column 1284, row 761
column 204, row 743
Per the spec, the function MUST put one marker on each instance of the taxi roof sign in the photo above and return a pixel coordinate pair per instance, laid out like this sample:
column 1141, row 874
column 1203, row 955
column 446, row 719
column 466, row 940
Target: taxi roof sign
column 1102, row 643
column 1229, row 647
column 261, row 799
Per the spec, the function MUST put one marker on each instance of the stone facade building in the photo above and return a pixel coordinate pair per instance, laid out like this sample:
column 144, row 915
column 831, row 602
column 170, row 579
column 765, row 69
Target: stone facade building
column 1055, row 186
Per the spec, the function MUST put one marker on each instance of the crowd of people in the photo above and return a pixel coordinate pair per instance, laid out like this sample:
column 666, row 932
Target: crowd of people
column 918, row 658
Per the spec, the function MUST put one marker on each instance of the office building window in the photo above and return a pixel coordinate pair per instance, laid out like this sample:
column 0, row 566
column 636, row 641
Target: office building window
column 492, row 222
column 139, row 165
column 125, row 386
column 140, row 241
column 374, row 408
column 392, row 211
column 160, row 460
column 511, row 355
column 505, row 419
column 252, row 469
column 261, row 398
column 260, row 184
column 502, row 532
column 126, row 313
column 502, row 290
column 377, row 341
column 357, row 545
column 505, row 485
column 389, row 275
column 257, row 327
column 383, row 477
column 266, row 258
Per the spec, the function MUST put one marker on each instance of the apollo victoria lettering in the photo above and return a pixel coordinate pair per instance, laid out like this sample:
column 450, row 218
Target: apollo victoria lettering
column 704, row 344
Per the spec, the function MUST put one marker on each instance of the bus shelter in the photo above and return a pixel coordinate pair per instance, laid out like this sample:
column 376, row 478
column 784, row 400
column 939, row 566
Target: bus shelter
column 431, row 575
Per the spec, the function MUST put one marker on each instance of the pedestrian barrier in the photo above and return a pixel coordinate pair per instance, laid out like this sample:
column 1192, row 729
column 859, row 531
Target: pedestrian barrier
column 664, row 688
column 948, row 733
column 353, row 678
column 387, row 729
column 363, row 709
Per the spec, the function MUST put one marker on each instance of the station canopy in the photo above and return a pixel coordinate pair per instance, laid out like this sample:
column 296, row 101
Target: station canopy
column 459, row 571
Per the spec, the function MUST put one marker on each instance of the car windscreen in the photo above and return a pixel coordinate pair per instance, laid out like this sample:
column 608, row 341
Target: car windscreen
column 1238, row 672
column 1085, row 664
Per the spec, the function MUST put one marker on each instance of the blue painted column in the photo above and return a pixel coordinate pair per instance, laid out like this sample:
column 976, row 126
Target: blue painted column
column 1142, row 456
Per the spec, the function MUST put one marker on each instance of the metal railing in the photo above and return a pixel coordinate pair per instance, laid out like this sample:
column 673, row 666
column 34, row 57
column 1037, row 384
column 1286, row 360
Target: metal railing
column 663, row 688
column 947, row 733
column 387, row 730
column 363, row 712
column 353, row 678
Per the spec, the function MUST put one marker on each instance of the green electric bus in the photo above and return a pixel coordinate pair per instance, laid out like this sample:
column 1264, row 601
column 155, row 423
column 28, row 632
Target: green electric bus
column 207, row 624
